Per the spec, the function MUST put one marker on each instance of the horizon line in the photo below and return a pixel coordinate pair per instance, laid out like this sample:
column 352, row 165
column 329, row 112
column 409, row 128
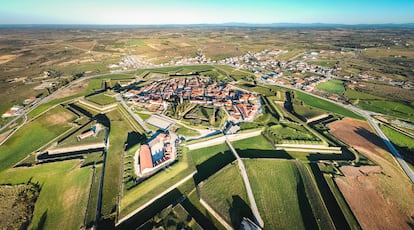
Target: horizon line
column 223, row 23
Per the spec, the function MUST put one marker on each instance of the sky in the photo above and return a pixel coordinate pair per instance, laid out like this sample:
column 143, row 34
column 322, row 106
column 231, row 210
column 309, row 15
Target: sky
column 149, row 12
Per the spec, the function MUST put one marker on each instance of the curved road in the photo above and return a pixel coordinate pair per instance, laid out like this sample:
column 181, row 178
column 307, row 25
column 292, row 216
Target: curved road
column 374, row 123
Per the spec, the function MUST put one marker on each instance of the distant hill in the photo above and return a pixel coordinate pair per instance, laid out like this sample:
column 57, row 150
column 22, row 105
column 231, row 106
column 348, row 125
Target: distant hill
column 229, row 24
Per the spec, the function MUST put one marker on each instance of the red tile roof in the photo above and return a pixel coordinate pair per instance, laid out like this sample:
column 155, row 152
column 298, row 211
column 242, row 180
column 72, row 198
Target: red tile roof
column 145, row 157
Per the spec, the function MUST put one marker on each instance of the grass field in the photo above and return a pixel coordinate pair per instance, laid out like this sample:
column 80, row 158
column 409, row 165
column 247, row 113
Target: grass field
column 34, row 135
column 388, row 107
column 226, row 194
column 150, row 188
column 307, row 112
column 289, row 133
column 332, row 86
column 209, row 160
column 119, row 129
column 280, row 194
column 187, row 132
column 63, row 196
column 380, row 105
column 94, row 194
column 325, row 105
column 115, row 77
column 101, row 99
column 398, row 138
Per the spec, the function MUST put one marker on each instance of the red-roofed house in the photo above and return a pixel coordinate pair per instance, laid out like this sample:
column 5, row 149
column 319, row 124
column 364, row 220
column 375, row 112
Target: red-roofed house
column 145, row 158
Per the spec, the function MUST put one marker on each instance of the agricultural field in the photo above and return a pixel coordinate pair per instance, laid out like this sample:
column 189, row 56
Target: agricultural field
column 34, row 135
column 226, row 194
column 280, row 194
column 396, row 109
column 332, row 86
column 385, row 186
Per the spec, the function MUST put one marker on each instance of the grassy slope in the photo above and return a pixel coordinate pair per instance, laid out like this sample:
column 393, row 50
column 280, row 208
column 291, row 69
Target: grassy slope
column 258, row 142
column 101, row 99
column 33, row 136
column 325, row 105
column 139, row 195
column 332, row 86
column 280, row 194
column 222, row 190
column 112, row 180
column 398, row 138
column 379, row 104
column 62, row 201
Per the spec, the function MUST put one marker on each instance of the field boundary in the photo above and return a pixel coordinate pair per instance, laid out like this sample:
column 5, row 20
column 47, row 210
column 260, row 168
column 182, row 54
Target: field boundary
column 215, row 214
column 155, row 199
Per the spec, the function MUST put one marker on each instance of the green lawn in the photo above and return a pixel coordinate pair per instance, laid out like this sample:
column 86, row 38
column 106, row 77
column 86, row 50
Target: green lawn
column 332, row 86
column 119, row 129
column 280, row 194
column 115, row 77
column 355, row 95
column 101, row 99
column 258, row 142
column 388, row 107
column 307, row 112
column 63, row 196
column 201, row 155
column 325, row 105
column 290, row 133
column 92, row 85
column 94, row 194
column 150, row 188
column 380, row 105
column 398, row 138
column 34, row 135
column 226, row 194
column 187, row 132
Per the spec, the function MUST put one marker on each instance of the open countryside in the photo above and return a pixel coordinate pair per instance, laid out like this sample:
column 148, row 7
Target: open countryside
column 110, row 125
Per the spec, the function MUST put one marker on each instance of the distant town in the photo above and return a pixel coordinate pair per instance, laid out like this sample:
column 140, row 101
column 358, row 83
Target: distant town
column 240, row 105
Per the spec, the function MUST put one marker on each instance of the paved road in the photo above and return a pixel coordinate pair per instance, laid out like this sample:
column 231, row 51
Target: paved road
column 368, row 116
column 134, row 115
column 253, row 205
column 47, row 98
column 391, row 147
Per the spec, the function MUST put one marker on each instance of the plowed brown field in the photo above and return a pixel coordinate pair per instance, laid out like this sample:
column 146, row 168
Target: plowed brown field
column 381, row 197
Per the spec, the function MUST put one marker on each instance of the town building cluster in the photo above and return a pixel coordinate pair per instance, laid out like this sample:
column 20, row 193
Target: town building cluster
column 239, row 104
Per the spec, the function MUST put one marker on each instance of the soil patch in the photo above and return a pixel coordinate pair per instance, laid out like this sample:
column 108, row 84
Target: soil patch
column 6, row 58
column 360, row 136
column 371, row 209
column 74, row 89
column 59, row 118
column 381, row 196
